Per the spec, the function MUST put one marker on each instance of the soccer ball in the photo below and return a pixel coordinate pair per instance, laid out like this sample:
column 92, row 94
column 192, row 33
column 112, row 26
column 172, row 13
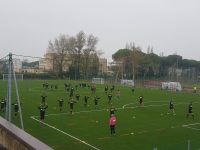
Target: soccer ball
column 132, row 133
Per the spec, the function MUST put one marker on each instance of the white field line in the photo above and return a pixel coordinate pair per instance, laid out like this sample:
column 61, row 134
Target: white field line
column 153, row 105
column 145, row 106
column 120, row 108
column 78, row 112
column 69, row 135
column 98, row 110
column 33, row 117
column 144, row 103
column 192, row 124
column 193, row 128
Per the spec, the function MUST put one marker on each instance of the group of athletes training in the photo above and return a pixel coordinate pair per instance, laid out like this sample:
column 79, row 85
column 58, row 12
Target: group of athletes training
column 74, row 97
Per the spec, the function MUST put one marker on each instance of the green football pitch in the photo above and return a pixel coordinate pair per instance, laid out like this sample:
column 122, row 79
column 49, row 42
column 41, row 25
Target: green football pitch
column 138, row 127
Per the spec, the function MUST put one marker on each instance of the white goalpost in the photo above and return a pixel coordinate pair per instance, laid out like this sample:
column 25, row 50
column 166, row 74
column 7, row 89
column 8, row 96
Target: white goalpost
column 127, row 82
column 173, row 86
column 18, row 77
column 98, row 80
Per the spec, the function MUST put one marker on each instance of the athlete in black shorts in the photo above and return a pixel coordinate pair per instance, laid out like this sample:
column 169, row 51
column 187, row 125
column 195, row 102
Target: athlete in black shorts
column 42, row 109
column 3, row 105
column 71, row 105
column 16, row 108
column 141, row 100
column 60, row 103
column 77, row 97
column 190, row 112
column 43, row 101
column 86, row 100
column 112, row 110
column 96, row 100
column 109, row 98
column 106, row 89
column 171, row 108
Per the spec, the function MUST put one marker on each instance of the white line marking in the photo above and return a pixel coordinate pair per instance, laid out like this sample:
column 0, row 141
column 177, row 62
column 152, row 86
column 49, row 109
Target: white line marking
column 152, row 105
column 66, row 134
column 192, row 124
column 193, row 128
column 120, row 108
column 124, row 106
column 78, row 112
column 145, row 106
column 144, row 103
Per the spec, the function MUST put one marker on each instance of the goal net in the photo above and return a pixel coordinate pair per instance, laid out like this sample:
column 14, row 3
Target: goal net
column 98, row 80
column 127, row 82
column 174, row 86
column 18, row 77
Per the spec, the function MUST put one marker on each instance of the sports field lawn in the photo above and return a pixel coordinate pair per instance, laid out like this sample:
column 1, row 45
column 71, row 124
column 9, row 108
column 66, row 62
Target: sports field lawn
column 138, row 128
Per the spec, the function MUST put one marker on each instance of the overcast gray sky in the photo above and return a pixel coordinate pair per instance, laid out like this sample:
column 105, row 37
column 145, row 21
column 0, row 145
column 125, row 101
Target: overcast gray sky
column 169, row 26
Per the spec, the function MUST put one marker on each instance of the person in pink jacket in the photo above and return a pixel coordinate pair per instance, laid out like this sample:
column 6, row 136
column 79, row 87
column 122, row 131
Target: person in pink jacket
column 112, row 123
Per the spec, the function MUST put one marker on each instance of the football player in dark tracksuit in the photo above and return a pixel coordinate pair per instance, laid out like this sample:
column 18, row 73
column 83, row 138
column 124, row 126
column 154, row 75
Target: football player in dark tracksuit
column 141, row 100
column 60, row 103
column 86, row 100
column 106, row 89
column 43, row 101
column 190, row 112
column 77, row 97
column 112, row 110
column 71, row 105
column 96, row 100
column 109, row 98
column 71, row 92
column 171, row 108
column 42, row 109
column 3, row 105
column 16, row 108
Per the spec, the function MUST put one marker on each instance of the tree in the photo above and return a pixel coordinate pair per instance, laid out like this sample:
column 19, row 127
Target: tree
column 91, row 42
column 59, row 51
column 80, row 43
column 78, row 50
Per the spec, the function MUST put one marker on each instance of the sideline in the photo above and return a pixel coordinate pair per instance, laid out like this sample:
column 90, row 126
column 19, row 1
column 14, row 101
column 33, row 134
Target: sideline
column 50, row 126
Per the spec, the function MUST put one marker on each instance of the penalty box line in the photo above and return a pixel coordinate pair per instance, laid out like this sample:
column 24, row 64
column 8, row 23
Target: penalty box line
column 69, row 135
column 120, row 108
column 98, row 110
column 192, row 124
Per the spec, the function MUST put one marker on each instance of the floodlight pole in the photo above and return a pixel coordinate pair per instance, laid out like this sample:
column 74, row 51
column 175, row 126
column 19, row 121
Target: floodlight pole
column 9, row 94
column 9, row 98
column 18, row 100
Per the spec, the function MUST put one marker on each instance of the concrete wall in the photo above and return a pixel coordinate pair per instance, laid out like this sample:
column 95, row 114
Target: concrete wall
column 13, row 138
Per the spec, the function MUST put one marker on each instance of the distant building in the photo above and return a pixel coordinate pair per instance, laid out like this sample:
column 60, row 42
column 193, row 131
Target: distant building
column 17, row 65
column 103, row 66
column 49, row 63
column 32, row 70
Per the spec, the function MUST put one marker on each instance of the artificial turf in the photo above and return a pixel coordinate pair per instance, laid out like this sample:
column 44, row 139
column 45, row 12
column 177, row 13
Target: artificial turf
column 138, row 128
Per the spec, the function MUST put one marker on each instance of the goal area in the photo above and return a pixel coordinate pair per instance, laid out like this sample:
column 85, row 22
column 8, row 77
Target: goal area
column 18, row 77
column 98, row 80
column 127, row 82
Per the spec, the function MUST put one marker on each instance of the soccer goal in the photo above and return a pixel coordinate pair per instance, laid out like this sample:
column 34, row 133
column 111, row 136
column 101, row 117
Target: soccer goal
column 98, row 80
column 173, row 86
column 127, row 82
column 18, row 77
